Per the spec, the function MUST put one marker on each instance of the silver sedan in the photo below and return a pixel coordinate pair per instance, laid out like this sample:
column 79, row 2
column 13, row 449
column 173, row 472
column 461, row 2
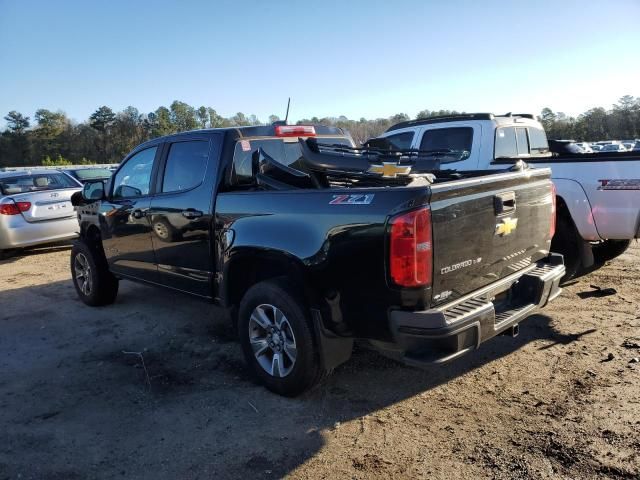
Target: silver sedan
column 35, row 208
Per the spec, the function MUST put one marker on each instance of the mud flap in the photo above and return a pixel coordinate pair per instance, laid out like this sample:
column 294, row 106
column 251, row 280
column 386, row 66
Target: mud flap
column 334, row 350
column 586, row 254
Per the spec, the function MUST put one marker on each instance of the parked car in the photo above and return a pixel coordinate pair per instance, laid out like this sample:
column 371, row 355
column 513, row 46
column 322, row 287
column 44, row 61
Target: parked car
column 89, row 173
column 565, row 146
column 598, row 194
column 629, row 146
column 613, row 147
column 311, row 242
column 596, row 147
column 585, row 147
column 35, row 208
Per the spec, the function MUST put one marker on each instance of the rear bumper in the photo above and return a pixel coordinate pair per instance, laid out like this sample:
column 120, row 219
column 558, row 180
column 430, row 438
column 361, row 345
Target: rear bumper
column 16, row 232
column 442, row 334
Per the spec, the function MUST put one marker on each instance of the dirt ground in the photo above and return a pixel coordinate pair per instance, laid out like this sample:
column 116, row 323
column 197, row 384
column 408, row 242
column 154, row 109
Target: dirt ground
column 154, row 387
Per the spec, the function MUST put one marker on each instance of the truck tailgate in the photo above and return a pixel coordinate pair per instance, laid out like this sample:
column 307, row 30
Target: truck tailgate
column 487, row 228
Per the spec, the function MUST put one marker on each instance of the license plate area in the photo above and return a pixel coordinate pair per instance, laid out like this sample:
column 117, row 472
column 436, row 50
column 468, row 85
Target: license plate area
column 519, row 295
column 52, row 207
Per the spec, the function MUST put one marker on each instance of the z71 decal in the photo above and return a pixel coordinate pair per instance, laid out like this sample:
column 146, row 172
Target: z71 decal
column 362, row 199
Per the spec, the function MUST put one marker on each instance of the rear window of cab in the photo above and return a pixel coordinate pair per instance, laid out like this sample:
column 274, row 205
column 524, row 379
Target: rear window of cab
column 285, row 151
column 515, row 141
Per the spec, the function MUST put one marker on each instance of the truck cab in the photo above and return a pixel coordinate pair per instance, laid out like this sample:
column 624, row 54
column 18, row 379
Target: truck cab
column 483, row 136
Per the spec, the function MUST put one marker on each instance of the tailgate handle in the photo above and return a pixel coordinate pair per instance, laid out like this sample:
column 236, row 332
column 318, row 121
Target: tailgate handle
column 504, row 203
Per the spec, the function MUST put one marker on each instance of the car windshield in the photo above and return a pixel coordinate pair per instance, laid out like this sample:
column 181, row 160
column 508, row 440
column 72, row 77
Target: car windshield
column 91, row 173
column 35, row 183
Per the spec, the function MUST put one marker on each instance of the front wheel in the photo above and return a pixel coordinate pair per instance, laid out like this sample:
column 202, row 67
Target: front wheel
column 277, row 338
column 93, row 281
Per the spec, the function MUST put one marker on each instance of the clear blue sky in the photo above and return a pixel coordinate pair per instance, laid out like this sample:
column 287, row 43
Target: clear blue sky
column 354, row 58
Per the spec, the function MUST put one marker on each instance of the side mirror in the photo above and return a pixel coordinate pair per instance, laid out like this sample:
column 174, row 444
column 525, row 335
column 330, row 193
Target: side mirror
column 93, row 190
column 125, row 191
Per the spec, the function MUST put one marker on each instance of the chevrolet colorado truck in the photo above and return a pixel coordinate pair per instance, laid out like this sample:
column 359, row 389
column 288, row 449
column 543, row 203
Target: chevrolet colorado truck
column 311, row 243
column 598, row 193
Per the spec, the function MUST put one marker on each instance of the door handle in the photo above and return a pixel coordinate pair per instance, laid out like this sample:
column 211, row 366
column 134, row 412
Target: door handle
column 504, row 203
column 191, row 213
column 138, row 214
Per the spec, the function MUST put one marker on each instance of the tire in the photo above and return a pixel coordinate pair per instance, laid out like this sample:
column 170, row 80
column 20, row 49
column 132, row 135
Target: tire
column 569, row 243
column 165, row 231
column 609, row 249
column 94, row 283
column 273, row 323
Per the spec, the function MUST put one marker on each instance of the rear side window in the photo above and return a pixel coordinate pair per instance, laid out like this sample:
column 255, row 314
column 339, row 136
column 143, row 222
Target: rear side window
column 241, row 172
column 400, row 141
column 186, row 165
column 456, row 139
column 35, row 183
column 522, row 140
column 506, row 145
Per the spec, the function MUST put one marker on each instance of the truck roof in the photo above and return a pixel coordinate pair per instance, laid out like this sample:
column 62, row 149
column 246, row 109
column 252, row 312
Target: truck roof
column 262, row 131
column 460, row 117
column 241, row 132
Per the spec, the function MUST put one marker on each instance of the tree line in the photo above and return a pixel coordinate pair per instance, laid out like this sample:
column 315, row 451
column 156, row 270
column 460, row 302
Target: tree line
column 621, row 122
column 51, row 138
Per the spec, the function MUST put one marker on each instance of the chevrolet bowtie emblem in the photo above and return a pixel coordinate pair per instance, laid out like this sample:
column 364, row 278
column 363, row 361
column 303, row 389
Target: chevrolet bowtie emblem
column 389, row 169
column 506, row 226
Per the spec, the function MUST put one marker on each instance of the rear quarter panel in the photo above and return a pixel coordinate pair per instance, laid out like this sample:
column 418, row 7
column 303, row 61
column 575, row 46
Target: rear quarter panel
column 339, row 247
column 615, row 213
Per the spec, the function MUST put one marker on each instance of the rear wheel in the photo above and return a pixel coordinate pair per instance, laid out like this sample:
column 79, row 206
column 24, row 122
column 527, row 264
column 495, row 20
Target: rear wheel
column 93, row 281
column 277, row 338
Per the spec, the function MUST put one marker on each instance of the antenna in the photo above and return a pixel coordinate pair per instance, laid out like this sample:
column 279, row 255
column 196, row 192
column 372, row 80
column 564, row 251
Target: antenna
column 283, row 122
column 286, row 117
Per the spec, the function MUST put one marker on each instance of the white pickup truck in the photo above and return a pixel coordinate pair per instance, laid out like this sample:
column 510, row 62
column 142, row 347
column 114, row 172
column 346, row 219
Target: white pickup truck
column 598, row 194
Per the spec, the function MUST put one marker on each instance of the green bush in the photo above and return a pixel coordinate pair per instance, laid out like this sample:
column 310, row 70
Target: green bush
column 59, row 161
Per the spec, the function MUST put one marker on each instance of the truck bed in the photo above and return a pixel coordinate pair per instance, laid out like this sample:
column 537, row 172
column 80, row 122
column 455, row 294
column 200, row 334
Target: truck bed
column 341, row 237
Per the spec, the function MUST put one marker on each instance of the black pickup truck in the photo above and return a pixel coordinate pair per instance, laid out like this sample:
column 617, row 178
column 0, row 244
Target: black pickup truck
column 311, row 243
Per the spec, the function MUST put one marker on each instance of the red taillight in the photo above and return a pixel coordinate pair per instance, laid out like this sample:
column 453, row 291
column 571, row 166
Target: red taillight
column 9, row 209
column 14, row 208
column 411, row 251
column 552, row 230
column 295, row 131
column 23, row 206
